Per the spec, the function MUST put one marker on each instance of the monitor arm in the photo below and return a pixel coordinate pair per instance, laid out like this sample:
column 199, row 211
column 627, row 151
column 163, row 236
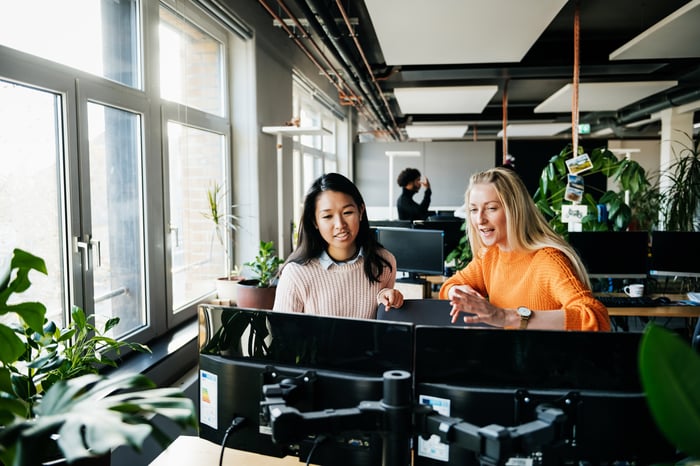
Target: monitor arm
column 397, row 419
column 391, row 417
column 494, row 444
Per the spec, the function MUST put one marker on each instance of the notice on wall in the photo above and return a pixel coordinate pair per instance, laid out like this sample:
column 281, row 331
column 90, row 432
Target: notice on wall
column 208, row 399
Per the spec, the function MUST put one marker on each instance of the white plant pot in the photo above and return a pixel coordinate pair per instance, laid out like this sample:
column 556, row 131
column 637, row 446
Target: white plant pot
column 227, row 289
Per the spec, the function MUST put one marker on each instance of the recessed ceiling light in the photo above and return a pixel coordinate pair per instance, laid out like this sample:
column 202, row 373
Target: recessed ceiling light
column 451, row 99
column 535, row 129
column 436, row 131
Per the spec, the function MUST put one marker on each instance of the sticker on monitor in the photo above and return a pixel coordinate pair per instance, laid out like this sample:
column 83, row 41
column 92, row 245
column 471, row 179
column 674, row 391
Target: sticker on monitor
column 433, row 448
column 208, row 399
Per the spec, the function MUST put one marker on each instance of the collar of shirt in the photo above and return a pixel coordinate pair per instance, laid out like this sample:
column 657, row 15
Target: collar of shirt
column 326, row 260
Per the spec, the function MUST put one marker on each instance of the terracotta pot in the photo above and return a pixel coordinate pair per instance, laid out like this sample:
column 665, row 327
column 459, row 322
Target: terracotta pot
column 250, row 296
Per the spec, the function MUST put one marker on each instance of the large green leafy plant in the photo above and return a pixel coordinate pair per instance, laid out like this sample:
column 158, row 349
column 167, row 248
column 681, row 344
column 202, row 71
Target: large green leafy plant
column 643, row 206
column 52, row 396
column 670, row 374
column 682, row 197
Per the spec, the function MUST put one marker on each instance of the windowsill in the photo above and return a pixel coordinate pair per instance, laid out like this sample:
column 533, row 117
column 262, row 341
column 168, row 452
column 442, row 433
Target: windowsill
column 172, row 355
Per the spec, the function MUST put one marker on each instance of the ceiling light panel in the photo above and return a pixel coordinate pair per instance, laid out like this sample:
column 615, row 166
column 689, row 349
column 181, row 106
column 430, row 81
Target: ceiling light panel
column 535, row 129
column 676, row 36
column 436, row 131
column 418, row 32
column 600, row 97
column 454, row 99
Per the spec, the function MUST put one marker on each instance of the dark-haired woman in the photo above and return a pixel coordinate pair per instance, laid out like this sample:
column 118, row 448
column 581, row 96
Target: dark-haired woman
column 338, row 268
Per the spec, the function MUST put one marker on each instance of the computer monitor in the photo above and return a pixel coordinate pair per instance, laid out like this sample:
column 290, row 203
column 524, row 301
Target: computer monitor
column 391, row 223
column 340, row 361
column 612, row 254
column 487, row 377
column 675, row 253
column 452, row 230
column 417, row 252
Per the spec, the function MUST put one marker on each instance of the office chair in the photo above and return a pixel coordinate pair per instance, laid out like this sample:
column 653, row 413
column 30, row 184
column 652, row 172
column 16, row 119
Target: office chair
column 435, row 312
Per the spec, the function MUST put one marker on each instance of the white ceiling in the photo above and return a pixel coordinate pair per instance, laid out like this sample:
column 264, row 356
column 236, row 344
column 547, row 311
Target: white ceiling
column 602, row 96
column 418, row 32
column 448, row 99
column 676, row 36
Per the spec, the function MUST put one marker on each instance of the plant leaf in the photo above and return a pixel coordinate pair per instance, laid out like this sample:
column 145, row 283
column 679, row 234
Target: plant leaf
column 670, row 374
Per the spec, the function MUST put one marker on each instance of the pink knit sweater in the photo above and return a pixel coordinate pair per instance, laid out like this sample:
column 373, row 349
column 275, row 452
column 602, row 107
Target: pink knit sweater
column 340, row 291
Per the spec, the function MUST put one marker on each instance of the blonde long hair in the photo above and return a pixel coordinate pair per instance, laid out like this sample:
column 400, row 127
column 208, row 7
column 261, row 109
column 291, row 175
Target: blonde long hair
column 526, row 227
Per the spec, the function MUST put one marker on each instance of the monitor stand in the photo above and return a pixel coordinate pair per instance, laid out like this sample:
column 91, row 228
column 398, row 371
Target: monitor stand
column 414, row 287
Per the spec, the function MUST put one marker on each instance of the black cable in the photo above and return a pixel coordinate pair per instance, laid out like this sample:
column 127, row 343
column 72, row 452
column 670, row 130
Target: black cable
column 317, row 440
column 237, row 421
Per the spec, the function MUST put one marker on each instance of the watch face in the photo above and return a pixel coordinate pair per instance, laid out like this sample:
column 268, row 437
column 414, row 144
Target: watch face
column 524, row 312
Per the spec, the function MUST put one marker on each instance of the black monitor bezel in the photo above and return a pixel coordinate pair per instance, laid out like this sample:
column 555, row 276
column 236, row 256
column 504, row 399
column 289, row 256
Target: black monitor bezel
column 684, row 245
column 435, row 268
column 605, row 247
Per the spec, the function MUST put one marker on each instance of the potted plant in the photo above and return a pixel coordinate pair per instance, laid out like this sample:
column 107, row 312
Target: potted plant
column 632, row 178
column 258, row 291
column 224, row 227
column 682, row 197
column 54, row 403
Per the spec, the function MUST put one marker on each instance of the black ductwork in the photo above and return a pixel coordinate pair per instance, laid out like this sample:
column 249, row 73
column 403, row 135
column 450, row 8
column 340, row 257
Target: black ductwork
column 329, row 33
column 655, row 104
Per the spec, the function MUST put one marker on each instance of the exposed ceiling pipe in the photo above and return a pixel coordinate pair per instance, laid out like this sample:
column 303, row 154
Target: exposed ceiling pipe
column 301, row 46
column 329, row 31
column 350, row 95
column 650, row 106
column 364, row 60
column 353, row 98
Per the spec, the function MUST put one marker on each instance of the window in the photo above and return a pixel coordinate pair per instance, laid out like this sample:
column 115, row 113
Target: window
column 31, row 154
column 315, row 155
column 99, row 37
column 105, row 169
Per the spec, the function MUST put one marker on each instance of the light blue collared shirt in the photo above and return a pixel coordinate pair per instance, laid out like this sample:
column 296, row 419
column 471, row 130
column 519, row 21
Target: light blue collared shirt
column 326, row 260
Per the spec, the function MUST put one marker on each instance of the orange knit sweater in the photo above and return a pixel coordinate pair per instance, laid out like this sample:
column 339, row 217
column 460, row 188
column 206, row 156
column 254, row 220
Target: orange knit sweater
column 540, row 280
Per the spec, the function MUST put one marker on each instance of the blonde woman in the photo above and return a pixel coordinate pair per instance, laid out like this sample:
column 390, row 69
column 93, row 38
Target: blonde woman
column 523, row 275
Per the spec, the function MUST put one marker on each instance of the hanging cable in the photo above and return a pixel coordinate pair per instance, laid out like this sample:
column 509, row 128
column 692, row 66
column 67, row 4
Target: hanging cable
column 504, row 105
column 574, row 91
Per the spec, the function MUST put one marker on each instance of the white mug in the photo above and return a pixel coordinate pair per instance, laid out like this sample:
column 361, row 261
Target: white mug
column 634, row 291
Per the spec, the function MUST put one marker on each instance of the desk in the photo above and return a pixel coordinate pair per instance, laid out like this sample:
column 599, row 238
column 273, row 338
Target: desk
column 189, row 450
column 660, row 311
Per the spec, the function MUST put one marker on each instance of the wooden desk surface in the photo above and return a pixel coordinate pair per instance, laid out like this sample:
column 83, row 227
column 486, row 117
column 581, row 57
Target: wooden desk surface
column 661, row 311
column 189, row 450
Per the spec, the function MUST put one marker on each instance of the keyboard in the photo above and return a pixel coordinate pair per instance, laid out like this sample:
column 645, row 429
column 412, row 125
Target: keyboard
column 626, row 301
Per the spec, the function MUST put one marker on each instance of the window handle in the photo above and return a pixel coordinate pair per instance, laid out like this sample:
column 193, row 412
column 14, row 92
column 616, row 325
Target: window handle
column 87, row 247
column 176, row 230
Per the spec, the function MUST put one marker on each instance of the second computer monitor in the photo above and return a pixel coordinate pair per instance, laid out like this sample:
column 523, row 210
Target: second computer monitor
column 675, row 253
column 417, row 252
column 612, row 254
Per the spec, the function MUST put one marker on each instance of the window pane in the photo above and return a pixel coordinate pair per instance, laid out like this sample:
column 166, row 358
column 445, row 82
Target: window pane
column 191, row 64
column 196, row 161
column 30, row 191
column 96, row 36
column 116, row 213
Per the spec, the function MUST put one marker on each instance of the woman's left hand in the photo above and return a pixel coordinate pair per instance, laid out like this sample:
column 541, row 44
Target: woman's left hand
column 390, row 297
column 479, row 308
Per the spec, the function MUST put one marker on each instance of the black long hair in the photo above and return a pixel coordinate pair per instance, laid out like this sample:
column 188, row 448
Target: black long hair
column 310, row 243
